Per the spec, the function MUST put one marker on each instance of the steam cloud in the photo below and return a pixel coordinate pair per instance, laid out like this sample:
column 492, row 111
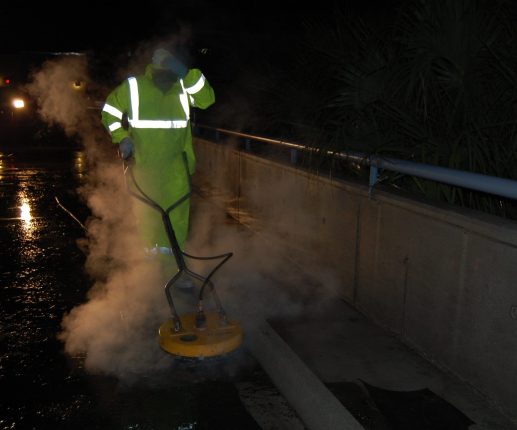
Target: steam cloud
column 116, row 328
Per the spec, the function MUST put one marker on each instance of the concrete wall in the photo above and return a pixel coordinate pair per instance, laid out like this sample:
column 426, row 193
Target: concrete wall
column 444, row 280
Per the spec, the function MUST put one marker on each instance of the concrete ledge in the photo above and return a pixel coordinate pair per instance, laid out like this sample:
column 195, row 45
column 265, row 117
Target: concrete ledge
column 440, row 277
column 312, row 400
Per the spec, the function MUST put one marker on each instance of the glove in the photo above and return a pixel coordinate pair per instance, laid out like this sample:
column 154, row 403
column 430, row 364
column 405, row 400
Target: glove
column 163, row 59
column 126, row 148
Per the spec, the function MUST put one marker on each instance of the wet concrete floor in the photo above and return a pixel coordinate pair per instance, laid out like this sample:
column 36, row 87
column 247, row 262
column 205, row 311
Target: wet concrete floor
column 42, row 278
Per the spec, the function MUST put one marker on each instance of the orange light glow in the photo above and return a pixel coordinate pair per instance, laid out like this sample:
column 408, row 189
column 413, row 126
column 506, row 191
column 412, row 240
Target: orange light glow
column 25, row 212
column 18, row 103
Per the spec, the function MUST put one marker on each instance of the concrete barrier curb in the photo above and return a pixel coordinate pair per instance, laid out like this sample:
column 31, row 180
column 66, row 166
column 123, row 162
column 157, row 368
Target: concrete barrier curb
column 306, row 393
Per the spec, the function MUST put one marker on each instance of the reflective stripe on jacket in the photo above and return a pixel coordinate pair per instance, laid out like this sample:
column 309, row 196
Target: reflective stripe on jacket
column 159, row 125
column 157, row 117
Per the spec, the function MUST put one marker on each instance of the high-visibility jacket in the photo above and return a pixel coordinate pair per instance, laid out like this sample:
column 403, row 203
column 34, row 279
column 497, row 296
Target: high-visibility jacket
column 159, row 125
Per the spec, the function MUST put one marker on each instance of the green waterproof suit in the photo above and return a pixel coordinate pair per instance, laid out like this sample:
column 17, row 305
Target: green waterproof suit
column 159, row 125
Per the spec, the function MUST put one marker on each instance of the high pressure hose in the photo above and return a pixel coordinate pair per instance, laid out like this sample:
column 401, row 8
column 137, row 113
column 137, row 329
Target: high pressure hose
column 179, row 254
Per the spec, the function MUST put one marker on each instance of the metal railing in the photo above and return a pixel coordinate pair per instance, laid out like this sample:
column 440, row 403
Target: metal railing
column 475, row 181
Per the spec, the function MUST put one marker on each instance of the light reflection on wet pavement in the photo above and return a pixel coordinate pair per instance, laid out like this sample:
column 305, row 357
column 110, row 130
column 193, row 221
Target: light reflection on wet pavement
column 42, row 278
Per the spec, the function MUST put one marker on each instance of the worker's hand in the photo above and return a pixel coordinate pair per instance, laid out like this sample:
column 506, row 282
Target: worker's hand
column 165, row 60
column 126, row 148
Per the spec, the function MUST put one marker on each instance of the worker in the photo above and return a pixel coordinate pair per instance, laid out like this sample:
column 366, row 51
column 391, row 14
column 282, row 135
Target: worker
column 148, row 116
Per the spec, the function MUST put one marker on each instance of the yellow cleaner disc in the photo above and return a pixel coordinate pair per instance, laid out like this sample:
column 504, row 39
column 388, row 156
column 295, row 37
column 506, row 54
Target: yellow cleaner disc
column 215, row 338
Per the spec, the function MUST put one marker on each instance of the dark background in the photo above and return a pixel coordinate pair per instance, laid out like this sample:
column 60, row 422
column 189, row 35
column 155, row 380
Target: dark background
column 87, row 25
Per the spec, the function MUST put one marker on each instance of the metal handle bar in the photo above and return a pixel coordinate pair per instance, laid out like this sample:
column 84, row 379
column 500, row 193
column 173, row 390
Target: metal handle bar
column 178, row 253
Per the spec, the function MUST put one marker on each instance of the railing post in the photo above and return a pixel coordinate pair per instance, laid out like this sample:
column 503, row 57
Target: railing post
column 374, row 176
column 294, row 156
column 247, row 145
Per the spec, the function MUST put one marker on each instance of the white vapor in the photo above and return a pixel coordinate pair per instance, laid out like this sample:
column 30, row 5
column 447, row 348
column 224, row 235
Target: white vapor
column 116, row 328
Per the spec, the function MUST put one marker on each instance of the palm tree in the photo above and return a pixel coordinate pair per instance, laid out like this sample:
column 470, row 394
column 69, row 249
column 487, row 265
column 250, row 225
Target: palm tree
column 437, row 85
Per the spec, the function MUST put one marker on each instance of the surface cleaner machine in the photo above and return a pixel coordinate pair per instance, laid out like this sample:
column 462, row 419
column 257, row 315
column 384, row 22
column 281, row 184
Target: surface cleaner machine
column 199, row 333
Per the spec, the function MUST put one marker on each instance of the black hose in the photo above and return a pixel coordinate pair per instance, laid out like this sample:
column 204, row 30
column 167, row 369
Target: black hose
column 178, row 252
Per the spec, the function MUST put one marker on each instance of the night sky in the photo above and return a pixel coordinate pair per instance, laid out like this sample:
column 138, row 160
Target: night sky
column 242, row 40
column 83, row 25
